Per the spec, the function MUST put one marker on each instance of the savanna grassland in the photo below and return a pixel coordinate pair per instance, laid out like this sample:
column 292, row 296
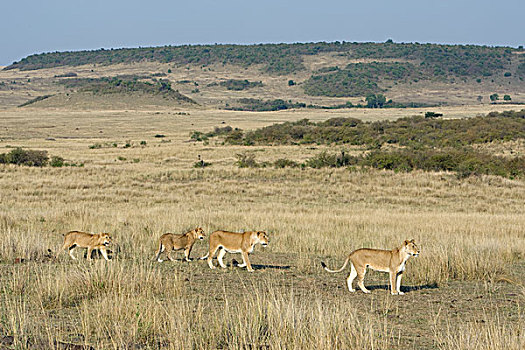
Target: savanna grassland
column 123, row 129
column 465, row 291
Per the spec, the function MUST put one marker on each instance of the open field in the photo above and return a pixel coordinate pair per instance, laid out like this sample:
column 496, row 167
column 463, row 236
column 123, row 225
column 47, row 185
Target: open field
column 465, row 291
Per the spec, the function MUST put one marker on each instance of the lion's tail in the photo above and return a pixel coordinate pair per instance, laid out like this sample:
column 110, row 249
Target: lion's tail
column 341, row 269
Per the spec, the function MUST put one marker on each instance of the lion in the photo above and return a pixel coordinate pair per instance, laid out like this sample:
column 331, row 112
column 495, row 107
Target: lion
column 91, row 241
column 234, row 242
column 175, row 241
column 391, row 261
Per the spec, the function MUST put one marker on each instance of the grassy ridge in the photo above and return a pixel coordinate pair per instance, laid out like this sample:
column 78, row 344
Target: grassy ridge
column 113, row 85
column 458, row 60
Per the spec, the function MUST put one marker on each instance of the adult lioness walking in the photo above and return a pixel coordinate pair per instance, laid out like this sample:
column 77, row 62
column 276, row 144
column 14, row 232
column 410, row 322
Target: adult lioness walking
column 91, row 241
column 391, row 261
column 234, row 242
column 176, row 241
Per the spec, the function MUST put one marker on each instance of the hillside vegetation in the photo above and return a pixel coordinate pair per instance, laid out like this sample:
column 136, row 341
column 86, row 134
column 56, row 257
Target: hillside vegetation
column 318, row 75
column 384, row 64
column 461, row 60
column 160, row 87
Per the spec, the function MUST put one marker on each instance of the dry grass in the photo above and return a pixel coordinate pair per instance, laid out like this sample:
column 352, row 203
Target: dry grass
column 470, row 232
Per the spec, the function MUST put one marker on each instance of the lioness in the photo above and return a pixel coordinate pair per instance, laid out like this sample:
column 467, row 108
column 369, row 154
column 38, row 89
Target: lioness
column 234, row 242
column 391, row 261
column 177, row 241
column 74, row 239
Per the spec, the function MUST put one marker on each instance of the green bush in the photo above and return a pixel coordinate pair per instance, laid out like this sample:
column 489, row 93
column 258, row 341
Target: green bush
column 238, row 85
column 201, row 164
column 246, row 160
column 285, row 163
column 257, row 105
column 21, row 156
column 57, row 162
column 325, row 159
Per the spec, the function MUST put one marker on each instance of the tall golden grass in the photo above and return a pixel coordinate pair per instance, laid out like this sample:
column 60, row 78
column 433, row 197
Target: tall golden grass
column 470, row 231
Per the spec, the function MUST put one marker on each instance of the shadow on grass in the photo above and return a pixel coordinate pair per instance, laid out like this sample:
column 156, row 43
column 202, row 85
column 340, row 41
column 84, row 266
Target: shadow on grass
column 404, row 288
column 275, row 267
column 263, row 266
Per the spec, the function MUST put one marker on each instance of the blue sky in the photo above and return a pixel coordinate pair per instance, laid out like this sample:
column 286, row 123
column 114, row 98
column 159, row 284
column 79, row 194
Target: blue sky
column 35, row 26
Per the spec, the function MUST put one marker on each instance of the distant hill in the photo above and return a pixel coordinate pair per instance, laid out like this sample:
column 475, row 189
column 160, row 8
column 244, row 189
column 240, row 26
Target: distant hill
column 419, row 61
column 312, row 73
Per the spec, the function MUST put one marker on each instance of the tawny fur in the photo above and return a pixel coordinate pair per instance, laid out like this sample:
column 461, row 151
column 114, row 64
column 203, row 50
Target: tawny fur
column 391, row 261
column 234, row 242
column 176, row 241
column 91, row 241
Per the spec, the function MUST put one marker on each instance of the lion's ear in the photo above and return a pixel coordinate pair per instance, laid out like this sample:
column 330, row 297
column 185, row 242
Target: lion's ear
column 406, row 242
column 413, row 241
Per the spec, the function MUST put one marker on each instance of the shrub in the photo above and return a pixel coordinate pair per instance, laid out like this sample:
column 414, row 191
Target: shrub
column 246, row 160
column 285, row 163
column 238, row 85
column 324, row 159
column 389, row 160
column 21, row 156
column 258, row 105
column 201, row 164
column 433, row 115
column 56, row 162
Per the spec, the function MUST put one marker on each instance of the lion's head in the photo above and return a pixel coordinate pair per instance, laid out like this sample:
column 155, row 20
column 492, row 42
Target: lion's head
column 411, row 248
column 198, row 233
column 262, row 236
column 104, row 239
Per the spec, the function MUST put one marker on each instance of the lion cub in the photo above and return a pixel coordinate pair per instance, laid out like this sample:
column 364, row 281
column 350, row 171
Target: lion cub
column 91, row 241
column 177, row 241
column 391, row 261
column 234, row 242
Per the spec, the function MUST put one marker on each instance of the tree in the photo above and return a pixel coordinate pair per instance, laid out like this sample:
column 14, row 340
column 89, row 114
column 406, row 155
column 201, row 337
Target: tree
column 375, row 101
column 480, row 98
column 506, row 98
column 494, row 97
column 291, row 82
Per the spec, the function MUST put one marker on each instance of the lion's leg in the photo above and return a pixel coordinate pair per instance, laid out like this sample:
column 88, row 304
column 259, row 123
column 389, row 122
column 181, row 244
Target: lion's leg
column 159, row 252
column 220, row 256
column 169, row 255
column 361, row 272
column 398, row 285
column 210, row 255
column 89, row 251
column 169, row 251
column 187, row 252
column 246, row 261
column 393, row 283
column 244, row 264
column 104, row 253
column 351, row 277
column 71, row 252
